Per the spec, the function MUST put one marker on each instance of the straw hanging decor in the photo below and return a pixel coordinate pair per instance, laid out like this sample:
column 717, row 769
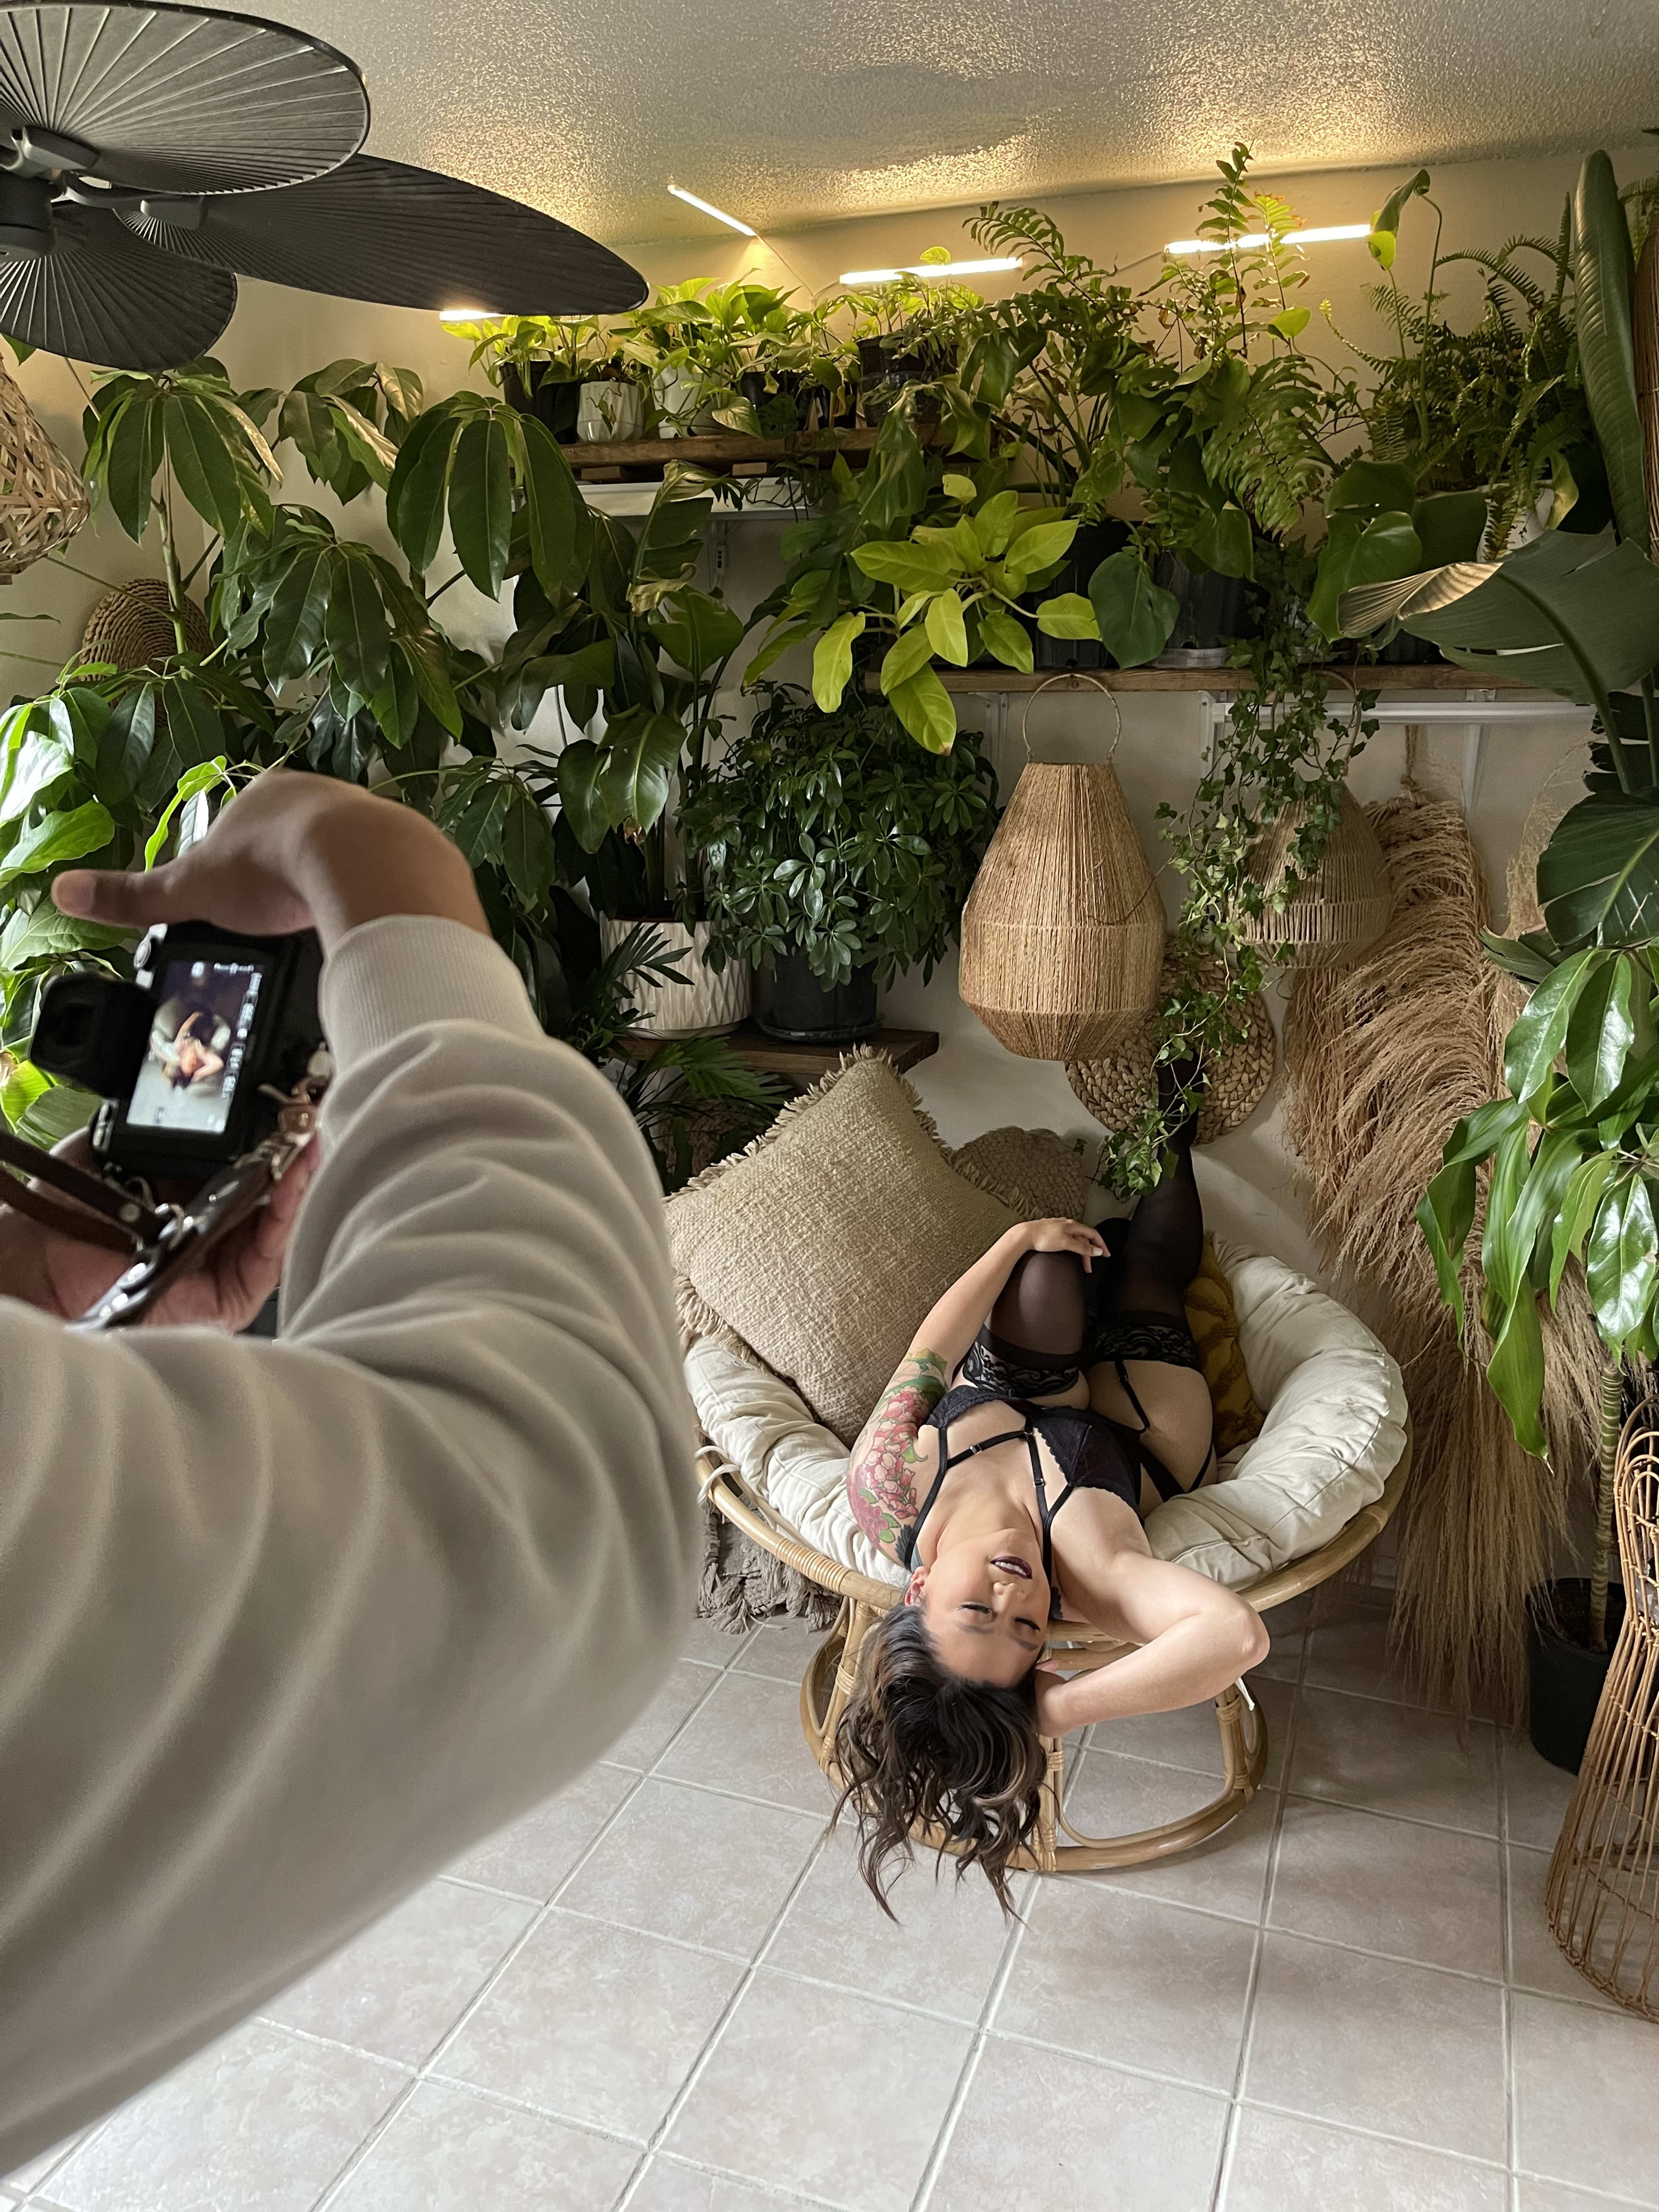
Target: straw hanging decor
column 1062, row 936
column 132, row 626
column 1381, row 1059
column 1331, row 916
column 42, row 500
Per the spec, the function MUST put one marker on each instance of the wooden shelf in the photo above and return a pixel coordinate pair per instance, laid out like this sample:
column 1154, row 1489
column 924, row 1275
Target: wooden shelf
column 720, row 452
column 803, row 1065
column 1435, row 676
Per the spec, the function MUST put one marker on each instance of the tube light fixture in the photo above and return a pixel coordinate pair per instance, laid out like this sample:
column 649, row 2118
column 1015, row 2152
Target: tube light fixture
column 928, row 269
column 1254, row 238
column 718, row 214
column 465, row 315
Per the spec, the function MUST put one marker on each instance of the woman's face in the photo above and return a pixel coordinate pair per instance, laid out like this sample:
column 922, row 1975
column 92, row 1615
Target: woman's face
column 985, row 1602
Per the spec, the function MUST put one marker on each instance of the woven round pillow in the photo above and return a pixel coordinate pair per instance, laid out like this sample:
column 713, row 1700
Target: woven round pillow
column 132, row 626
column 1121, row 1085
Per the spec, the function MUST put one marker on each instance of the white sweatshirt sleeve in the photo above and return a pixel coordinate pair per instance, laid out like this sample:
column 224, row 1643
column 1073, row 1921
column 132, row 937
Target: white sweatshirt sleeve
column 284, row 1627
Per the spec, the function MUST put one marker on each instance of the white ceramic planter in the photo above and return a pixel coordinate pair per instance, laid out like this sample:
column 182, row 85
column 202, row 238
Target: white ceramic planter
column 704, row 1005
column 679, row 394
column 609, row 411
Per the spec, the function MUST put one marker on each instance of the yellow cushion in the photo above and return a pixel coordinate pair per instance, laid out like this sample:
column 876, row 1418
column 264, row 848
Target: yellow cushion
column 1214, row 1325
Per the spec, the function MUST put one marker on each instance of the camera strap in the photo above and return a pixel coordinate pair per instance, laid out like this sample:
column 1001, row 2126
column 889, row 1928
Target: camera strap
column 167, row 1242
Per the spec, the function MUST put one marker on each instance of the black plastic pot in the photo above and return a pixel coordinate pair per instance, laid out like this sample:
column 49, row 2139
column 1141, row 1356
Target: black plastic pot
column 1565, row 1672
column 1408, row 651
column 1093, row 543
column 552, row 400
column 1212, row 612
column 791, row 1002
column 883, row 373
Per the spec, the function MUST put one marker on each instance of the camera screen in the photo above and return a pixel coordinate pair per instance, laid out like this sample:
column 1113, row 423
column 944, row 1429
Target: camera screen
column 197, row 1042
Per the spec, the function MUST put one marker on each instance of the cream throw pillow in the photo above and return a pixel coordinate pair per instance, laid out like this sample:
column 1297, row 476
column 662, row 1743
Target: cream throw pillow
column 826, row 1244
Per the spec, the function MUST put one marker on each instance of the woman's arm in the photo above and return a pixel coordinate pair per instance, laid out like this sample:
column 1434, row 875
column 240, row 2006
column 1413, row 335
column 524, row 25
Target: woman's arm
column 881, row 1476
column 1195, row 1638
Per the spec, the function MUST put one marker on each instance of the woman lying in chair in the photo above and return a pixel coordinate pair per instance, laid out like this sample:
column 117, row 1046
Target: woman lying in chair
column 1049, row 1401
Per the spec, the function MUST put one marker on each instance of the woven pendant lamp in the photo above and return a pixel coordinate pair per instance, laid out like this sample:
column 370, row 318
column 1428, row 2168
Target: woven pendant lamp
column 132, row 626
column 1333, row 914
column 1645, row 331
column 1062, row 936
column 42, row 500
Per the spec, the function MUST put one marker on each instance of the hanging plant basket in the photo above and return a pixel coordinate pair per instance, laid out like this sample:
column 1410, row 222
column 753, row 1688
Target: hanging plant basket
column 1334, row 914
column 42, row 500
column 1062, row 936
column 132, row 626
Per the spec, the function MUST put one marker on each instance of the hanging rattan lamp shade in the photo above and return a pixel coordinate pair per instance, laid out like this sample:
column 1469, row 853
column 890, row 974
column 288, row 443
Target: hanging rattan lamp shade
column 1062, row 936
column 42, row 500
column 1333, row 914
column 132, row 626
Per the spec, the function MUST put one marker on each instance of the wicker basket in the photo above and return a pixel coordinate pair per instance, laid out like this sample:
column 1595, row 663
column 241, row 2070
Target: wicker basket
column 1062, row 936
column 1332, row 915
column 1118, row 1086
column 42, row 500
column 132, row 626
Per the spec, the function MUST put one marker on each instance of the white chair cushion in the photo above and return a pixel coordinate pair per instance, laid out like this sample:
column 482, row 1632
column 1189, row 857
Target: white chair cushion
column 1336, row 1427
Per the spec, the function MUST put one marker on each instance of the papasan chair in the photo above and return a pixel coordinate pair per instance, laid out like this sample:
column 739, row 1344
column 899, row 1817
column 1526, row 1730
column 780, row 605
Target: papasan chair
column 1288, row 1510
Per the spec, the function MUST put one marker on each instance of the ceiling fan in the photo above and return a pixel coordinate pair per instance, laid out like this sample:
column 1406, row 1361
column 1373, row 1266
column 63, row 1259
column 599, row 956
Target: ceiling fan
column 150, row 153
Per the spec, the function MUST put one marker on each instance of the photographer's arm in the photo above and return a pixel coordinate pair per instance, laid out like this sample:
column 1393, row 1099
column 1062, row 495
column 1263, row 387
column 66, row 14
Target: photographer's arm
column 285, row 1626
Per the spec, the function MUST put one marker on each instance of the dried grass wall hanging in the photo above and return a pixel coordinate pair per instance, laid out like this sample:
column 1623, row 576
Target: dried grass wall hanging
column 132, row 626
column 1335, row 912
column 1062, row 936
column 1381, row 1059
column 42, row 500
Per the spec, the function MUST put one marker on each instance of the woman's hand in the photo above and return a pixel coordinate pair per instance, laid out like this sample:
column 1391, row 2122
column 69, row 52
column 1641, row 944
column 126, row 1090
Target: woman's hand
column 1059, row 1234
column 64, row 1276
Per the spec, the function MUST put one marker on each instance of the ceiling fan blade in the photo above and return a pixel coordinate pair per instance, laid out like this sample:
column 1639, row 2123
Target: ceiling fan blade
column 178, row 100
column 98, row 294
column 376, row 230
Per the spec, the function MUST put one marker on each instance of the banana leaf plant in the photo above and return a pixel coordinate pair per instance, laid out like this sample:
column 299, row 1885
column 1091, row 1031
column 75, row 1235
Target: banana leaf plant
column 1573, row 1151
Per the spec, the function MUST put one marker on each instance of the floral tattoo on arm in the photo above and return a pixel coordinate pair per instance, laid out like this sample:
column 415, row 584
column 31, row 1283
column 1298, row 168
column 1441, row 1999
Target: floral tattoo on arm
column 881, row 1479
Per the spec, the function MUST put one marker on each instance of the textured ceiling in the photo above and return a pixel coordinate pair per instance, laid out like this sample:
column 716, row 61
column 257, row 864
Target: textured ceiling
column 791, row 112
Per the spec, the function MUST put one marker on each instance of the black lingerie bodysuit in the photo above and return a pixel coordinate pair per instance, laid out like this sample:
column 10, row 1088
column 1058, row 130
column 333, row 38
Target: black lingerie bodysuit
column 1091, row 1451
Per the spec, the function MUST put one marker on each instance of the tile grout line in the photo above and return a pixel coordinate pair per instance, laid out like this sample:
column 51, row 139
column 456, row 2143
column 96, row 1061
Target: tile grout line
column 337, row 2183
column 1270, row 1874
column 1506, row 1936
column 988, row 2011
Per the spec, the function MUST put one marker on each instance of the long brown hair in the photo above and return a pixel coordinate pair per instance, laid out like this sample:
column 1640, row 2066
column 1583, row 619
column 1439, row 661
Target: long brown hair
column 920, row 1746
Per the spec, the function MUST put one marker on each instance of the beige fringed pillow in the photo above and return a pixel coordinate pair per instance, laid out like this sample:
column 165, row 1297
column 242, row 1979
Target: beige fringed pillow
column 824, row 1244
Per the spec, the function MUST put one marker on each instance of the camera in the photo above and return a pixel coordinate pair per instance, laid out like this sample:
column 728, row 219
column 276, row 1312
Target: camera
column 193, row 1058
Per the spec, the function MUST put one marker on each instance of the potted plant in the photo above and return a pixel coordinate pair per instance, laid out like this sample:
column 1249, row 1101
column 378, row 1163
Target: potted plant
column 834, row 854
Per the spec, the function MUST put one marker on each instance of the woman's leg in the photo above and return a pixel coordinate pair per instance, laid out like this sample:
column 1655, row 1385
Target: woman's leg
column 1155, row 1259
column 1032, row 1343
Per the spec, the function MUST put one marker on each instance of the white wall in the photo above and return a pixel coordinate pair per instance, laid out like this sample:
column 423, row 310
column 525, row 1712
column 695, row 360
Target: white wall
column 972, row 1084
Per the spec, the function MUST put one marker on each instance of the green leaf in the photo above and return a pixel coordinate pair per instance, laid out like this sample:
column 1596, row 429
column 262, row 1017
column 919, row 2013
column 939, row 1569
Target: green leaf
column 909, row 568
column 832, row 660
column 129, row 740
column 60, row 1110
column 1068, row 614
column 201, row 461
column 1541, row 1030
column 959, row 487
column 1374, row 484
column 1449, row 525
column 995, row 521
column 1385, row 223
column 1041, row 547
column 697, row 631
column 641, row 752
column 34, row 761
column 397, row 705
column 1008, row 639
column 581, row 764
column 1621, row 1263
column 1222, row 540
column 924, row 707
column 1445, row 1214
column 60, row 837
column 1515, row 1370
column 1504, row 1255
column 354, row 625
column 1135, row 614
column 1599, row 875
column 912, row 651
column 420, row 482
column 1603, row 272
column 947, row 633
column 48, row 935
column 561, row 525
column 1388, row 546
column 527, row 852
column 425, row 654
column 132, row 455
column 481, row 504
column 191, row 785
column 1578, row 1206
column 1291, row 322
column 1599, row 1033
column 194, row 724
column 293, row 628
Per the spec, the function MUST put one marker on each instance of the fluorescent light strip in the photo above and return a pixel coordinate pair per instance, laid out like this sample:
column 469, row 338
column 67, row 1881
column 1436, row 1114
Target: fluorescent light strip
column 1254, row 238
column 718, row 214
column 465, row 315
column 927, row 268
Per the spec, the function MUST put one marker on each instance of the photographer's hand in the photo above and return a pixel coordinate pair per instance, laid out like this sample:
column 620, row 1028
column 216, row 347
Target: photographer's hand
column 292, row 851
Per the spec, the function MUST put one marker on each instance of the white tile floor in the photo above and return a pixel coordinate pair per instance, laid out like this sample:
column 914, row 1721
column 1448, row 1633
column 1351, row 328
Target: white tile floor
column 666, row 1992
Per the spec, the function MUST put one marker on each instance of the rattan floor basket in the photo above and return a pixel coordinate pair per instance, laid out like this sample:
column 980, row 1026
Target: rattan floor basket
column 1602, row 1896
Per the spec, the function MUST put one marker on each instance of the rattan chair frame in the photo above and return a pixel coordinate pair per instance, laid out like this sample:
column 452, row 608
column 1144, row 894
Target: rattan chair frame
column 1057, row 1847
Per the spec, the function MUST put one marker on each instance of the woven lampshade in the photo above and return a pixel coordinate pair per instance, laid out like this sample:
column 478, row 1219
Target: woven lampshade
column 1063, row 932
column 1333, row 914
column 42, row 500
column 1644, row 330
column 132, row 626
column 1120, row 1084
